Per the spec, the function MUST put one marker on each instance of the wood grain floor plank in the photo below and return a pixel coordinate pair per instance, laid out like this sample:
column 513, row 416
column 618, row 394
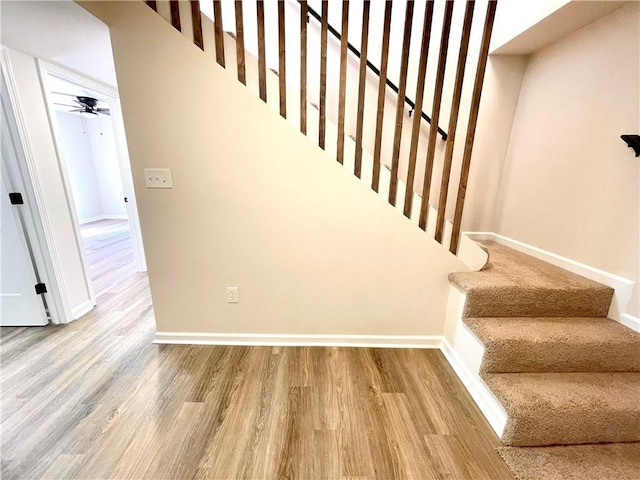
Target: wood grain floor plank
column 96, row 399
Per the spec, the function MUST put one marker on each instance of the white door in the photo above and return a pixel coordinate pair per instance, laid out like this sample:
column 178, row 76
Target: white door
column 19, row 303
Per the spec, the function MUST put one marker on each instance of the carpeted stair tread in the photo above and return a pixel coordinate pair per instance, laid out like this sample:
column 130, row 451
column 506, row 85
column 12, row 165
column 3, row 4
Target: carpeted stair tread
column 558, row 344
column 514, row 284
column 607, row 461
column 568, row 408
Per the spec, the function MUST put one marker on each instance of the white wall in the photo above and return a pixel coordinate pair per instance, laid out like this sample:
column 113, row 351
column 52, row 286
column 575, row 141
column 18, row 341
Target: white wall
column 570, row 185
column 91, row 162
column 41, row 143
column 80, row 166
column 255, row 205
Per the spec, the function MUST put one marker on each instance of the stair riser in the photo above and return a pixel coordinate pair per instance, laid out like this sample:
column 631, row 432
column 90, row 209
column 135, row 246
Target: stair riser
column 537, row 304
column 564, row 428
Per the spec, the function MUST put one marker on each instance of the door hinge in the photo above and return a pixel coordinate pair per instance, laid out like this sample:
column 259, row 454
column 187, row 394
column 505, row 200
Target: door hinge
column 126, row 200
column 41, row 288
column 16, row 198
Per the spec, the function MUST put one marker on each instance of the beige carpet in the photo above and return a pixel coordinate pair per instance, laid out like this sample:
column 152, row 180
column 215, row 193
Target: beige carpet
column 568, row 377
column 517, row 285
column 607, row 461
column 560, row 344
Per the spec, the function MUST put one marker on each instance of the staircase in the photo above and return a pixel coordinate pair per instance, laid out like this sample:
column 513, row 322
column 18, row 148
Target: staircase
column 563, row 373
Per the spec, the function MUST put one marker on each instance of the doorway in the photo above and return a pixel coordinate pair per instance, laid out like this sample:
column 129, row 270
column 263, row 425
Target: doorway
column 98, row 182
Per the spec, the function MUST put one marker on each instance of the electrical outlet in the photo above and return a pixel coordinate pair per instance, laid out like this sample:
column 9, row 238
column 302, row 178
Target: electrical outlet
column 157, row 178
column 232, row 295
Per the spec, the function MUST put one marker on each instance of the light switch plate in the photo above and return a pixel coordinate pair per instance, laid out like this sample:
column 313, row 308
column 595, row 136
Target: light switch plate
column 158, row 178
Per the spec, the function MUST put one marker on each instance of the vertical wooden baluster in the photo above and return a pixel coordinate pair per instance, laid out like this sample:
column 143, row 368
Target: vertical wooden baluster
column 364, row 41
column 303, row 66
column 175, row 14
column 471, row 128
column 240, row 42
column 196, row 21
column 453, row 118
column 384, row 60
column 282, row 61
column 219, row 32
column 402, row 88
column 323, row 74
column 435, row 114
column 152, row 4
column 342, row 92
column 262, row 59
column 417, row 112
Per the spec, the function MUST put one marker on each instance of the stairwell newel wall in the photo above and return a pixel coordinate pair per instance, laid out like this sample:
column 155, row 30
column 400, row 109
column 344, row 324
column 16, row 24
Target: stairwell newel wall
column 312, row 249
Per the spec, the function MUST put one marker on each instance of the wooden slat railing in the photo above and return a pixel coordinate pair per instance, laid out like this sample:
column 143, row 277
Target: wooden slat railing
column 453, row 119
column 471, row 127
column 323, row 75
column 384, row 62
column 397, row 137
column 362, row 82
column 218, row 32
column 342, row 90
column 304, row 13
column 415, row 127
column 240, row 61
column 379, row 132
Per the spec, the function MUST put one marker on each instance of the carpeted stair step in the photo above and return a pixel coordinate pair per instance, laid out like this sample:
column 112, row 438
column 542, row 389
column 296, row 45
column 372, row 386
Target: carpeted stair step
column 606, row 461
column 517, row 285
column 568, row 408
column 560, row 344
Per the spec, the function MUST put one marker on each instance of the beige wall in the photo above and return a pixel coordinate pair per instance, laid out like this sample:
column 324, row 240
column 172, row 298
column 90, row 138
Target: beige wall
column 570, row 184
column 255, row 205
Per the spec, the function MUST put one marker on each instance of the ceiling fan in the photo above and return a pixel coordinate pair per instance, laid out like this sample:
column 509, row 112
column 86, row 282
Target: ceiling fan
column 86, row 106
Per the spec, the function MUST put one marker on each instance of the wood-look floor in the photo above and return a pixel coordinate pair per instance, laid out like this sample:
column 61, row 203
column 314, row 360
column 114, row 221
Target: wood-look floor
column 95, row 399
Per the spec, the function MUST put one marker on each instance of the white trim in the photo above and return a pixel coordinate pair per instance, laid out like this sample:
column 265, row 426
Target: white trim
column 64, row 174
column 269, row 339
column 488, row 404
column 102, row 217
column 58, row 302
column 623, row 287
column 82, row 309
column 630, row 321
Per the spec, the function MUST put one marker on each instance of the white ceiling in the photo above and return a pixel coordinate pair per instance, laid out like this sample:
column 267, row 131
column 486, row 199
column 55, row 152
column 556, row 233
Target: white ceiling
column 59, row 32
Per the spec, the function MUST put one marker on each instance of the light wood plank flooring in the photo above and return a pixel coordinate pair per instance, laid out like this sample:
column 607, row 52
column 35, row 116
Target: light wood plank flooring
column 95, row 399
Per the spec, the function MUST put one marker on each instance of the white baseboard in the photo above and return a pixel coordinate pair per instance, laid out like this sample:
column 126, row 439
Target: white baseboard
column 486, row 401
column 630, row 321
column 101, row 217
column 268, row 339
column 623, row 287
column 82, row 309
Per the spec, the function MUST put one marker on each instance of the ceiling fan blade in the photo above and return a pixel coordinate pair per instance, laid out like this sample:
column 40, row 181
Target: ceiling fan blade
column 63, row 93
column 65, row 105
column 77, row 110
column 104, row 111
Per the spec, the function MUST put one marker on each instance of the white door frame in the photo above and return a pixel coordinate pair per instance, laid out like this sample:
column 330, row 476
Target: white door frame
column 22, row 174
column 122, row 152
